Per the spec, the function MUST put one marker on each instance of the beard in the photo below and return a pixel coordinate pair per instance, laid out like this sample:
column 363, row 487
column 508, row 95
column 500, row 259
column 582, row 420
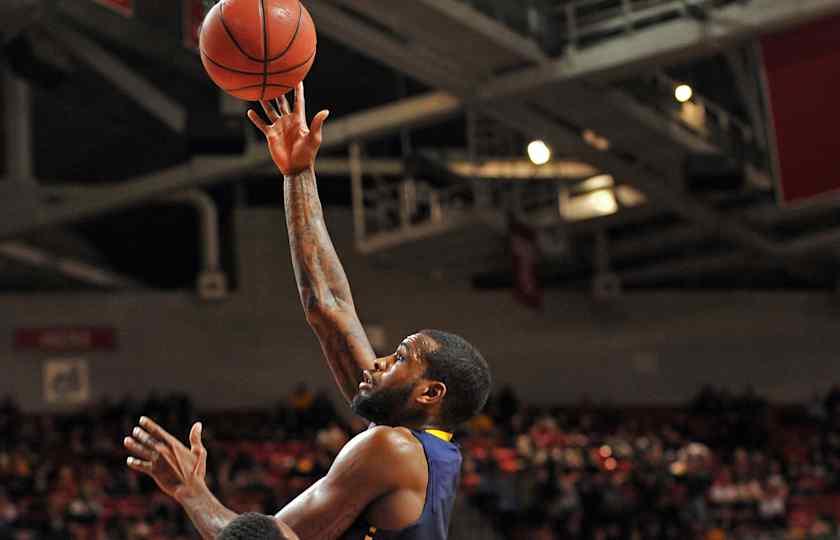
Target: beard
column 388, row 406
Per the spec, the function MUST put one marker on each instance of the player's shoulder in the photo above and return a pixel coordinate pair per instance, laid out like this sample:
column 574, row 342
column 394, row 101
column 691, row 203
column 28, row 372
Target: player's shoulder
column 399, row 458
column 383, row 457
column 393, row 442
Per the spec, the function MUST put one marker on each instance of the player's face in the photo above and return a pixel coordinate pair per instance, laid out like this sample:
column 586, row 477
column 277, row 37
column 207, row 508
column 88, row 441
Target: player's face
column 385, row 394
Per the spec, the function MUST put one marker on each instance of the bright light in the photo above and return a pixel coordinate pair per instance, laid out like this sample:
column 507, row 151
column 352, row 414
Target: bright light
column 683, row 93
column 539, row 153
column 601, row 181
column 603, row 202
column 629, row 196
column 587, row 205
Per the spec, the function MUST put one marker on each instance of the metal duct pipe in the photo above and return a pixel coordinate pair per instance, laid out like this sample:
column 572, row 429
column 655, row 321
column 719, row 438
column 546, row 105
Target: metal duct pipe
column 212, row 282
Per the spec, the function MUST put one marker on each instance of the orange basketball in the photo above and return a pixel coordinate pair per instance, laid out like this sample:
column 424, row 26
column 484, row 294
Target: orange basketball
column 257, row 49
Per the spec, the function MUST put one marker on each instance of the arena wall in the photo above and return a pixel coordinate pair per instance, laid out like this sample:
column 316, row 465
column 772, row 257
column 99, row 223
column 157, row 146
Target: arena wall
column 253, row 347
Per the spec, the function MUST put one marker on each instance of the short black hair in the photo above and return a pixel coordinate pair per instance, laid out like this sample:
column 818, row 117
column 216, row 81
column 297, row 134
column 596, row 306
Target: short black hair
column 252, row 526
column 458, row 365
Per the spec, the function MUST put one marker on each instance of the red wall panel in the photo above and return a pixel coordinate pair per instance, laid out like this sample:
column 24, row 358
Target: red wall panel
column 802, row 67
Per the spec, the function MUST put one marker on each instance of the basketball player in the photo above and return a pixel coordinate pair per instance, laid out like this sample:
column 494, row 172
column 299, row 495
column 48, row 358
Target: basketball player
column 398, row 479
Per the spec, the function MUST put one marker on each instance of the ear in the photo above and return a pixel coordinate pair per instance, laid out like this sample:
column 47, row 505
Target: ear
column 432, row 392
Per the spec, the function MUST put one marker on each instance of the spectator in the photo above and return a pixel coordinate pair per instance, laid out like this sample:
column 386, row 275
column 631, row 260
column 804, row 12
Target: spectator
column 583, row 472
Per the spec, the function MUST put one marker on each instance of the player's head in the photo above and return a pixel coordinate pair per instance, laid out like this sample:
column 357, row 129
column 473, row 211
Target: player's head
column 433, row 376
column 253, row 526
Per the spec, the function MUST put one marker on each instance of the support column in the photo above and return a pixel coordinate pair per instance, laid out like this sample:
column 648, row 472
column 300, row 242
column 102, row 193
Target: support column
column 17, row 109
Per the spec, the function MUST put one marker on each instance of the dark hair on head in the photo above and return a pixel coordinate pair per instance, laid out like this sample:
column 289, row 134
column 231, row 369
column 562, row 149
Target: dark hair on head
column 252, row 526
column 458, row 365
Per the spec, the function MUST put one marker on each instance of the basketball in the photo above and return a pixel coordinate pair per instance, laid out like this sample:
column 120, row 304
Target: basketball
column 257, row 49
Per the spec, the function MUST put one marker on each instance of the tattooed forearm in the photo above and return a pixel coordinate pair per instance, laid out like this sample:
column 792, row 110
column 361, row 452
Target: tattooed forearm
column 323, row 286
column 320, row 276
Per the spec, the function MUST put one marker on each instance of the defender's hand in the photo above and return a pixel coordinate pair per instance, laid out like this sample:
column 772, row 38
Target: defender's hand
column 292, row 144
column 178, row 471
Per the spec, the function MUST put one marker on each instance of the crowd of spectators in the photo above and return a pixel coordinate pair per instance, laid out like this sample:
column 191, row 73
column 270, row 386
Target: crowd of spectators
column 724, row 466
column 720, row 467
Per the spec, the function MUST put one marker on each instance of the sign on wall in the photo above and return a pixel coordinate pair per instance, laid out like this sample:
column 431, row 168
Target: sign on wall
column 66, row 339
column 123, row 7
column 66, row 381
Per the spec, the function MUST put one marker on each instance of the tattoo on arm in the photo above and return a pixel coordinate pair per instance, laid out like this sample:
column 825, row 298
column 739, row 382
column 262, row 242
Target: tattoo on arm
column 323, row 286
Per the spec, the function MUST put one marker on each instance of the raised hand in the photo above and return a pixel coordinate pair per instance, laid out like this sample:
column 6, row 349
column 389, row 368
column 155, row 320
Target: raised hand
column 293, row 145
column 178, row 471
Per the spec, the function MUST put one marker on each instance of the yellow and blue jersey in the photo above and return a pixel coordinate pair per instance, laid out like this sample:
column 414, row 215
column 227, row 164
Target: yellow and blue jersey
column 444, row 461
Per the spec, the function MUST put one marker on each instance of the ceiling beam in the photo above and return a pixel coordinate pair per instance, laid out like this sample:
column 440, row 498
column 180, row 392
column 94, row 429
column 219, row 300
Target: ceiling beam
column 131, row 34
column 67, row 267
column 520, row 116
column 17, row 219
column 165, row 109
column 17, row 119
column 406, row 57
column 663, row 43
column 487, row 28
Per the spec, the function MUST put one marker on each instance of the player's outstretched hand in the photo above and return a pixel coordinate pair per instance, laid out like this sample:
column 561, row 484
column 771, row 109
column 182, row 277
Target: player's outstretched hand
column 292, row 144
column 178, row 471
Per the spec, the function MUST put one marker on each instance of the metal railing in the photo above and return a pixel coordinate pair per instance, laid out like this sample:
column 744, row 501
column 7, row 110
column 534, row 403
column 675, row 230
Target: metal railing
column 725, row 131
column 568, row 25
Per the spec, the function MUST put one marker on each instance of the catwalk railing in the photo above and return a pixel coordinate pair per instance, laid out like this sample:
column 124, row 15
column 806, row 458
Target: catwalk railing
column 558, row 25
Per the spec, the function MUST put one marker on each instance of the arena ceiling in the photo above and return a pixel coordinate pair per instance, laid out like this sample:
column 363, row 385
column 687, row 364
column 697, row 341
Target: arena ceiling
column 433, row 102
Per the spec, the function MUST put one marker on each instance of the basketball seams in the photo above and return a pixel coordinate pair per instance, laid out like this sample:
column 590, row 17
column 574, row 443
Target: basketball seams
column 294, row 36
column 271, row 85
column 265, row 47
column 232, row 37
column 269, row 73
column 228, row 68
column 290, row 69
column 247, row 73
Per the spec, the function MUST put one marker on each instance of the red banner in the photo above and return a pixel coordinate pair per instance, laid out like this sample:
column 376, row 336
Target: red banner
column 802, row 67
column 192, row 14
column 123, row 7
column 67, row 339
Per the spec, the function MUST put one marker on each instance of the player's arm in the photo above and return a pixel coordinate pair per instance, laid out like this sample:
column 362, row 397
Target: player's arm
column 377, row 463
column 322, row 284
column 179, row 472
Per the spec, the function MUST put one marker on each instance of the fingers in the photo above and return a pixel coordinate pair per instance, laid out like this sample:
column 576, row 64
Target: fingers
column 195, row 437
column 270, row 112
column 139, row 465
column 257, row 121
column 300, row 102
column 139, row 450
column 142, row 437
column 156, row 431
column 283, row 105
column 316, row 131
column 197, row 448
